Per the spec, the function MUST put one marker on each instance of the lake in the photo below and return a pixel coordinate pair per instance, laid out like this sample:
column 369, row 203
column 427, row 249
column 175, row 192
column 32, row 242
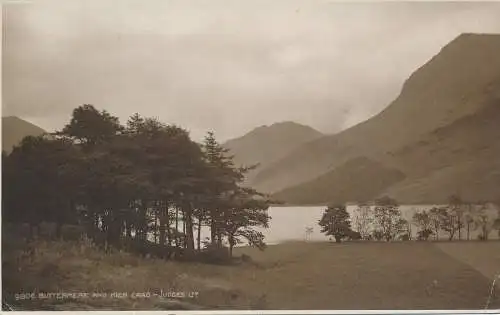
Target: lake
column 290, row 223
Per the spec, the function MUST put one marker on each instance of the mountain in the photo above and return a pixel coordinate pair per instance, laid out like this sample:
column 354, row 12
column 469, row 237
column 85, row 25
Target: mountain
column 14, row 129
column 461, row 158
column 267, row 144
column 451, row 94
column 370, row 179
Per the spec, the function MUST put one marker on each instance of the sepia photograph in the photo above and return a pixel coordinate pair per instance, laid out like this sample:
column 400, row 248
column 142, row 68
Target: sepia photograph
column 209, row 155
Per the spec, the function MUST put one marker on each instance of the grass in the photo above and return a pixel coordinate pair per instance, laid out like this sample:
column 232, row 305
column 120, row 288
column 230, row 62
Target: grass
column 293, row 275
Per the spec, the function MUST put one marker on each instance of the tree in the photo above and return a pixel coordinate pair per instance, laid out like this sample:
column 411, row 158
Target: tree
column 469, row 218
column 423, row 221
column 496, row 225
column 378, row 234
column 223, row 178
column 363, row 220
column 247, row 210
column 434, row 214
column 41, row 182
column 388, row 218
column 336, row 222
column 308, row 232
column 484, row 220
column 448, row 221
column 455, row 205
column 404, row 227
column 90, row 126
column 125, row 184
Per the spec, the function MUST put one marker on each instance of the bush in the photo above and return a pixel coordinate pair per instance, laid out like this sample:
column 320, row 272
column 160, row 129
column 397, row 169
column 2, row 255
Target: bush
column 404, row 237
column 424, row 235
column 378, row 235
column 214, row 255
column 354, row 236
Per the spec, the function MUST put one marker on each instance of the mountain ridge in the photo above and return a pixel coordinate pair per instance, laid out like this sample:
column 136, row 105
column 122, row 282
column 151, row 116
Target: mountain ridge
column 14, row 129
column 266, row 144
column 458, row 81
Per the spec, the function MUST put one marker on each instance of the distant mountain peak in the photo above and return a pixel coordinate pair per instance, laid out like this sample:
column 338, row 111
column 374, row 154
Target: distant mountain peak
column 268, row 143
column 11, row 118
column 14, row 129
column 282, row 125
column 461, row 80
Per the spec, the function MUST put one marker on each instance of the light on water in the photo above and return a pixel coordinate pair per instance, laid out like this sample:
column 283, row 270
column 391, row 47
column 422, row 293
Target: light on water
column 301, row 224
column 291, row 223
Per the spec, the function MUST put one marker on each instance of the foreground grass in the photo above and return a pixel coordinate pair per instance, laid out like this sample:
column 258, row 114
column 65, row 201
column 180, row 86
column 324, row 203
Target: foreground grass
column 286, row 276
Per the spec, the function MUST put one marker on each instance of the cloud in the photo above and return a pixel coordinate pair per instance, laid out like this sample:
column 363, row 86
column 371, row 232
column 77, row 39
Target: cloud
column 227, row 66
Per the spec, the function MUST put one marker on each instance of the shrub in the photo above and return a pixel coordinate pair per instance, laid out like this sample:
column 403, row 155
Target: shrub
column 378, row 235
column 354, row 236
column 424, row 235
column 404, row 237
column 214, row 255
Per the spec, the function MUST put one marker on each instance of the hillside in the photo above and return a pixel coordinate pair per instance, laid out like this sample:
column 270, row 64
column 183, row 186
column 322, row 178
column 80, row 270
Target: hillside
column 267, row 144
column 461, row 81
column 459, row 158
column 15, row 129
column 359, row 179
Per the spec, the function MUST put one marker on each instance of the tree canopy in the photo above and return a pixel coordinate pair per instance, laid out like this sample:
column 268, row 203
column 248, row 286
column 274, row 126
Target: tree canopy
column 143, row 181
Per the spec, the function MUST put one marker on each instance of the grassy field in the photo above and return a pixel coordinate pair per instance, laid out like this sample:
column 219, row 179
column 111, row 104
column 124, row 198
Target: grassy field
column 293, row 275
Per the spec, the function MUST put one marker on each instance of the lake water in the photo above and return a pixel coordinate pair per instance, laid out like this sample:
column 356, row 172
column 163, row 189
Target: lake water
column 290, row 223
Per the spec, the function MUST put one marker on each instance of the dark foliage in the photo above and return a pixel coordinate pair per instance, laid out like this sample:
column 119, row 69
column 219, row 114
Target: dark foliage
column 145, row 187
column 336, row 222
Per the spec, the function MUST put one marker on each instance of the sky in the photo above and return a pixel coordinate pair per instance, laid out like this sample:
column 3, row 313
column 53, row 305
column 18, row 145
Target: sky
column 223, row 65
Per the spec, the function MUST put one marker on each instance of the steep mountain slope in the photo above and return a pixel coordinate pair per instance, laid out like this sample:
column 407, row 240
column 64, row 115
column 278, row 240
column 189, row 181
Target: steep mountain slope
column 460, row 158
column 463, row 158
column 360, row 179
column 15, row 129
column 267, row 144
column 459, row 81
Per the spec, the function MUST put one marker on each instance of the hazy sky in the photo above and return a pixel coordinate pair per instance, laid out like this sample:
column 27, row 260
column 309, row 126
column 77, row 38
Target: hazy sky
column 227, row 66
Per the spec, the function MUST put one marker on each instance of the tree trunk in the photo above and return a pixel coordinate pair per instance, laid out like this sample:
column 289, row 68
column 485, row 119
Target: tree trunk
column 189, row 229
column 184, row 229
column 144, row 226
column 338, row 239
column 168, row 226
column 219, row 239
column 231, row 245
column 459, row 228
column 213, row 230
column 199, row 232
column 176, row 226
column 156, row 227
column 96, row 220
column 468, row 231
column 163, row 222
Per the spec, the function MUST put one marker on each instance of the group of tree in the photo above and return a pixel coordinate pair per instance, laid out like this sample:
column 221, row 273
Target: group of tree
column 455, row 218
column 144, row 181
column 384, row 221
